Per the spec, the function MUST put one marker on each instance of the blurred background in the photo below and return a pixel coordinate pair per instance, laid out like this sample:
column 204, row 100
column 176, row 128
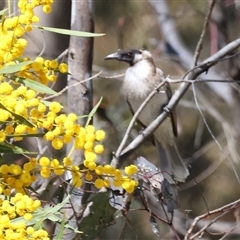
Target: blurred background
column 135, row 24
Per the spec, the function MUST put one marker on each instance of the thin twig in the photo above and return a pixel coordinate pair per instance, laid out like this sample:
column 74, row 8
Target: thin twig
column 212, row 135
column 200, row 42
column 207, row 172
column 227, row 207
column 44, row 44
column 73, row 85
column 112, row 77
column 172, row 81
column 63, row 54
column 230, row 231
column 200, row 232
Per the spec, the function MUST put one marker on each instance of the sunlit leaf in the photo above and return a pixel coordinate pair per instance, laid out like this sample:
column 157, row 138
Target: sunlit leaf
column 90, row 115
column 61, row 229
column 21, row 119
column 26, row 135
column 14, row 68
column 9, row 148
column 47, row 103
column 70, row 32
column 37, row 86
column 3, row 11
column 50, row 213
column 83, row 116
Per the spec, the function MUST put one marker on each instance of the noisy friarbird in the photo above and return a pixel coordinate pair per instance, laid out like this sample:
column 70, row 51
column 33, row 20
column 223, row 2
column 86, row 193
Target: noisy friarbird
column 141, row 77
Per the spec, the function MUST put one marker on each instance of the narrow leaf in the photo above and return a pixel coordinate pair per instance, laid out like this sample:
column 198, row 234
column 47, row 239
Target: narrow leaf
column 26, row 135
column 21, row 119
column 93, row 111
column 61, row 229
column 56, row 208
column 56, row 219
column 39, row 87
column 47, row 103
column 14, row 68
column 70, row 32
column 3, row 11
column 9, row 148
column 83, row 116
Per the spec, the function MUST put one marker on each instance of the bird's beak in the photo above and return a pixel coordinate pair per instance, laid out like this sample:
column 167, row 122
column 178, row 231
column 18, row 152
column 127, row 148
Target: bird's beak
column 116, row 56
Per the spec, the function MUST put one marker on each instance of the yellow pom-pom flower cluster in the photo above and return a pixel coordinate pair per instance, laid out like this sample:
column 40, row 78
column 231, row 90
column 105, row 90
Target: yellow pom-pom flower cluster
column 19, row 206
column 106, row 172
column 23, row 112
column 15, row 177
column 42, row 70
column 12, row 29
column 87, row 139
column 12, row 46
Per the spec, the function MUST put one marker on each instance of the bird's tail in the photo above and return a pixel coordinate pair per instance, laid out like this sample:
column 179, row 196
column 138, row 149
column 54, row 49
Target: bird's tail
column 171, row 162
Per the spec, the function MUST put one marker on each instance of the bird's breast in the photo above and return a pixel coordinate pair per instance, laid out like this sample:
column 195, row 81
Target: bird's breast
column 139, row 81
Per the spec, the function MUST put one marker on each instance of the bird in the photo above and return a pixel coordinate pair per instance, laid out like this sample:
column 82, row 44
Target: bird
column 141, row 78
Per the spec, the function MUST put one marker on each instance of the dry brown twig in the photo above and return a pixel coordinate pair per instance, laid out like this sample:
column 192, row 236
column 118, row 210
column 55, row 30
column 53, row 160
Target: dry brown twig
column 227, row 208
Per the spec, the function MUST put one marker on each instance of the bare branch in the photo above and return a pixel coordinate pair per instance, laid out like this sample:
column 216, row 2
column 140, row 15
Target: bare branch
column 73, row 85
column 200, row 42
column 228, row 207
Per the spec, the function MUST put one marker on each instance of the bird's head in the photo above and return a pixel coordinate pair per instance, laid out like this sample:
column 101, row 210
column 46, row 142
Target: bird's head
column 130, row 56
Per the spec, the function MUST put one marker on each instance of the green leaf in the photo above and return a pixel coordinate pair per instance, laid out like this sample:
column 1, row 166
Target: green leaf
column 21, row 119
column 61, row 229
column 14, row 68
column 47, row 103
column 43, row 213
column 70, row 32
column 3, row 11
column 9, row 148
column 83, row 116
column 26, row 135
column 50, row 213
column 90, row 115
column 39, row 87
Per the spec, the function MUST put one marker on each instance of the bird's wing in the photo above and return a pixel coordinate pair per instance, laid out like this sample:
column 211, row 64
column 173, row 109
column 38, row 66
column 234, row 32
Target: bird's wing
column 151, row 138
column 132, row 111
column 173, row 114
column 168, row 91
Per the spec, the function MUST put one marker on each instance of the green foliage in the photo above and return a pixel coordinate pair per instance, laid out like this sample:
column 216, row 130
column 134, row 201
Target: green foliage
column 51, row 213
column 37, row 86
column 70, row 32
column 14, row 68
column 20, row 119
column 10, row 148
column 90, row 115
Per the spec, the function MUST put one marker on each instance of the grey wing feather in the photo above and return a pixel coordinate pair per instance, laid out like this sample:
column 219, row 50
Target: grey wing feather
column 173, row 114
column 171, row 163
